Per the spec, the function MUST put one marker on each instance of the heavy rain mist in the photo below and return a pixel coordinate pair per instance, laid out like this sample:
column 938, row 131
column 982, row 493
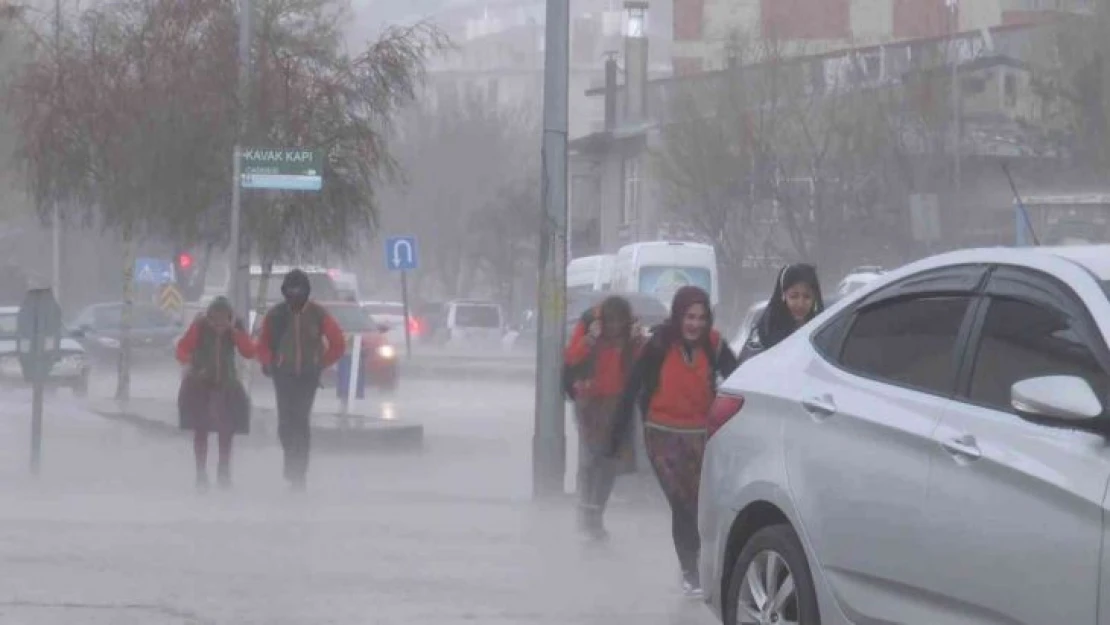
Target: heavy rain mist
column 157, row 156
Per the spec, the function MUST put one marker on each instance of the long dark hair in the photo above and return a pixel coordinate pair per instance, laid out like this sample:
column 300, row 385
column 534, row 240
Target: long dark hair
column 617, row 307
column 777, row 323
column 684, row 298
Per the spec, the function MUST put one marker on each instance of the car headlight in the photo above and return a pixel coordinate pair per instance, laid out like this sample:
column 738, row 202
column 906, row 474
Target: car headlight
column 108, row 341
column 386, row 351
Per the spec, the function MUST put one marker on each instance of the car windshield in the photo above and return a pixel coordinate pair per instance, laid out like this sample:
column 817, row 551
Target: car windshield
column 142, row 317
column 352, row 319
column 323, row 287
column 8, row 323
column 384, row 309
column 477, row 316
column 663, row 282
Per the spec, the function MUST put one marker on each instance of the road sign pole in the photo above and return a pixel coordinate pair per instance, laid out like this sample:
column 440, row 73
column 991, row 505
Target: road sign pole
column 405, row 313
column 36, row 396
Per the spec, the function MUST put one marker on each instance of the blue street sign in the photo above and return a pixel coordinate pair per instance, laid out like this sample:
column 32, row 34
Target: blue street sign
column 153, row 271
column 400, row 253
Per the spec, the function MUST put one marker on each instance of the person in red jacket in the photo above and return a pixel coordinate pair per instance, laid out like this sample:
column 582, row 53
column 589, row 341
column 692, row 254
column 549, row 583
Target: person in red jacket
column 298, row 341
column 674, row 382
column 602, row 347
column 211, row 398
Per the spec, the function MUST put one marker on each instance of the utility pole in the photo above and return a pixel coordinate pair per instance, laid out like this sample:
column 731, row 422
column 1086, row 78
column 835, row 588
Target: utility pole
column 238, row 292
column 56, row 216
column 957, row 137
column 549, row 439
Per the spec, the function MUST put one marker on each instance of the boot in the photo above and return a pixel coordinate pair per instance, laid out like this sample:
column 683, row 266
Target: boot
column 691, row 584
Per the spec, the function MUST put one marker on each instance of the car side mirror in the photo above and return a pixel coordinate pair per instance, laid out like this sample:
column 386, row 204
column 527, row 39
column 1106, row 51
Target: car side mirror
column 1061, row 397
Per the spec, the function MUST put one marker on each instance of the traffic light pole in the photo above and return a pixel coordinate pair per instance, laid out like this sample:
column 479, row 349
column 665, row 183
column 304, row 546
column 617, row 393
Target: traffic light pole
column 238, row 292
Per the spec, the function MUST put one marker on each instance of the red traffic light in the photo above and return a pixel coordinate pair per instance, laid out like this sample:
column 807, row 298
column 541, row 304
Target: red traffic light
column 184, row 261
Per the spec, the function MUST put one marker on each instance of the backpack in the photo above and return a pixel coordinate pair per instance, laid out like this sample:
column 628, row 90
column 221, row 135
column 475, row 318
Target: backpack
column 279, row 324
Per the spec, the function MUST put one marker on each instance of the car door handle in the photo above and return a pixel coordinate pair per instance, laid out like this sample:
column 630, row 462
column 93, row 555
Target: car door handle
column 964, row 446
column 820, row 406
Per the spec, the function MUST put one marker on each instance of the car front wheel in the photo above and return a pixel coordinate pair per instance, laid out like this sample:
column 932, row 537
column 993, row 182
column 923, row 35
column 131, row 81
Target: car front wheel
column 771, row 583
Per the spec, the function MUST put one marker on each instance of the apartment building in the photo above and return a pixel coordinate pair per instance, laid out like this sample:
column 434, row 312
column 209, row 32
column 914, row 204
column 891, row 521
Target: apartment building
column 704, row 30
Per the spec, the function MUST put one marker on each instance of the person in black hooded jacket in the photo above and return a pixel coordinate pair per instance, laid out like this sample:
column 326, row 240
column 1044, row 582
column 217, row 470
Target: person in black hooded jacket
column 795, row 300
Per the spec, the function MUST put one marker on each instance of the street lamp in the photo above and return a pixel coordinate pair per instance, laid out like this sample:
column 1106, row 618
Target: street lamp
column 635, row 21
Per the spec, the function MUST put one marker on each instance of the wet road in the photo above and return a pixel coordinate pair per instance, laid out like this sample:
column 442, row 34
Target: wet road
column 113, row 532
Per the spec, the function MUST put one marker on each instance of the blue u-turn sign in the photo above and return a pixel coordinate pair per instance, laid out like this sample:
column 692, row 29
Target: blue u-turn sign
column 400, row 253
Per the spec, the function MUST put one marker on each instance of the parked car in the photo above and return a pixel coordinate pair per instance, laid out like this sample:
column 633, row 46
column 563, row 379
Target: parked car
column 473, row 323
column 747, row 326
column 378, row 355
column 931, row 449
column 70, row 370
column 392, row 314
column 153, row 332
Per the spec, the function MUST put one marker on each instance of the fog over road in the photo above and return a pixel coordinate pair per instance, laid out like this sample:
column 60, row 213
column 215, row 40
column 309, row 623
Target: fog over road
column 114, row 533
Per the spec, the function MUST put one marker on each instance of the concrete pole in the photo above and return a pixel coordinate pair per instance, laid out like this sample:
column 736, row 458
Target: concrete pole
column 957, row 175
column 238, row 274
column 549, row 439
column 56, row 217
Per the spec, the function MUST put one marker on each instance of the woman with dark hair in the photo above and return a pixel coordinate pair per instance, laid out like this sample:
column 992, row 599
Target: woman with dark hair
column 211, row 398
column 674, row 382
column 795, row 300
column 602, row 348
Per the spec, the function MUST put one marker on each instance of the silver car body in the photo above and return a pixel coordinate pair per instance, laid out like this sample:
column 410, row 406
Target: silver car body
column 913, row 507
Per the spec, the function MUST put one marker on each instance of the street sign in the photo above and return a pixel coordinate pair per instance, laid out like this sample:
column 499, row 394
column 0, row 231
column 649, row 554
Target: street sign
column 39, row 328
column 286, row 169
column 170, row 299
column 153, row 271
column 400, row 253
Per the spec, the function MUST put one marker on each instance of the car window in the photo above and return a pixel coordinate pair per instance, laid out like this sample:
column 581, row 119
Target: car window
column 8, row 325
column 1023, row 340
column 907, row 341
column 352, row 319
column 477, row 316
column 106, row 317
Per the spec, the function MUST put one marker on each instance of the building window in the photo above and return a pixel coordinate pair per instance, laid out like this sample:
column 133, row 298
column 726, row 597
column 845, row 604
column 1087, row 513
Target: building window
column 630, row 208
column 688, row 16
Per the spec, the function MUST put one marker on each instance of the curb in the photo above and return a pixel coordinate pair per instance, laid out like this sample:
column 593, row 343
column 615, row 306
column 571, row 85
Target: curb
column 525, row 374
column 371, row 434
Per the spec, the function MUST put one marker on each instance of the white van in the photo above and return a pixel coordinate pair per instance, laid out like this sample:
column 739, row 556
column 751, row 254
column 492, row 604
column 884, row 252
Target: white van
column 590, row 273
column 660, row 268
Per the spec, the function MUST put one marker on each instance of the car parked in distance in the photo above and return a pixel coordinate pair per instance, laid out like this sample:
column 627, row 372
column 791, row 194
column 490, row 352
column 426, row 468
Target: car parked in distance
column 934, row 448
column 70, row 370
column 378, row 355
column 153, row 332
column 392, row 314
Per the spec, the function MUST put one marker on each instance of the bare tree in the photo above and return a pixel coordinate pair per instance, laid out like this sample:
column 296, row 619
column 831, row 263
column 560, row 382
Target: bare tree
column 309, row 93
column 468, row 164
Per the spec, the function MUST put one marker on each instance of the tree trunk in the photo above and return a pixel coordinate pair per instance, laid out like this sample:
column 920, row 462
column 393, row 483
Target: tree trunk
column 123, row 371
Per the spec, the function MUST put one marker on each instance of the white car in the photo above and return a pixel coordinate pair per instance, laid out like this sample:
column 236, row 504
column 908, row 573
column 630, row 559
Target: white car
column 392, row 314
column 857, row 278
column 933, row 449
column 747, row 326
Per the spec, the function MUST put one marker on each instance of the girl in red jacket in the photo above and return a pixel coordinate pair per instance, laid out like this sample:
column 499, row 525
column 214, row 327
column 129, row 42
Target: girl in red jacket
column 212, row 399
column 599, row 356
column 674, row 382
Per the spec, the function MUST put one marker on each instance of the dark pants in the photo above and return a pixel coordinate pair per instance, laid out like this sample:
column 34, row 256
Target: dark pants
column 295, row 396
column 676, row 457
